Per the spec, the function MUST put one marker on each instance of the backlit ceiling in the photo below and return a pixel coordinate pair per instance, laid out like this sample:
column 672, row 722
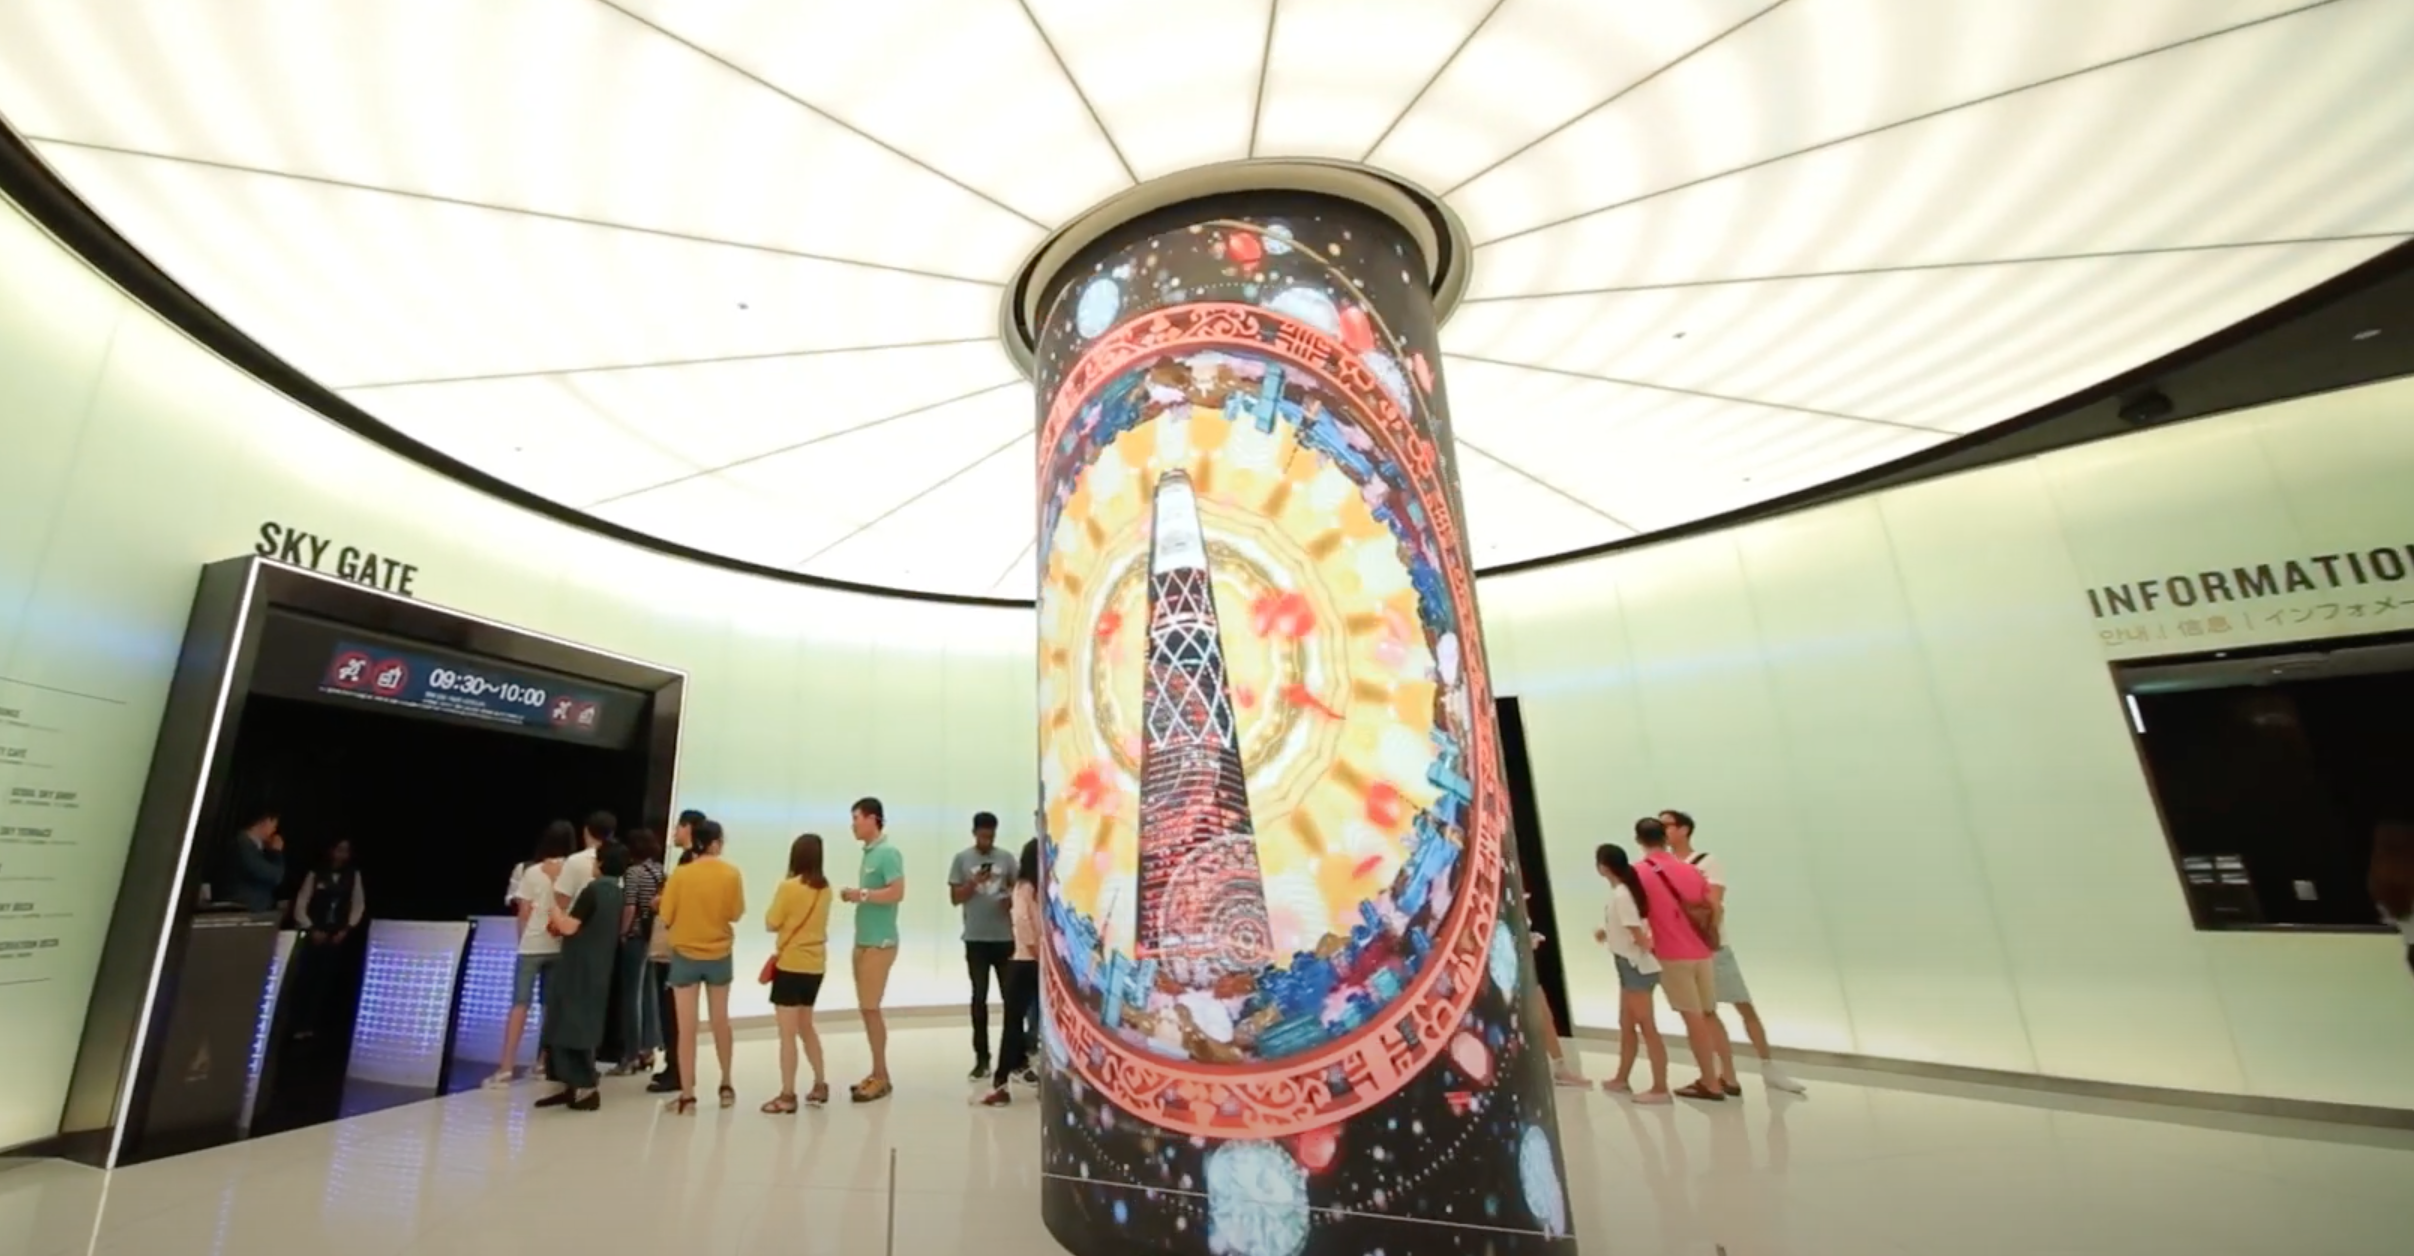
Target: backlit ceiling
column 728, row 273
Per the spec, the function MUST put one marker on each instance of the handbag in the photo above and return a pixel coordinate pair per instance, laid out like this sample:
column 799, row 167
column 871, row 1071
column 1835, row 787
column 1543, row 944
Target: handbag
column 1698, row 911
column 771, row 962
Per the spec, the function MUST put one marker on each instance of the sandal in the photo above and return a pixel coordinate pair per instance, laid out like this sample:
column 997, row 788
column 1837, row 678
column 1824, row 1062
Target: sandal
column 684, row 1105
column 870, row 1090
column 819, row 1095
column 1705, row 1091
column 781, row 1106
column 729, row 1095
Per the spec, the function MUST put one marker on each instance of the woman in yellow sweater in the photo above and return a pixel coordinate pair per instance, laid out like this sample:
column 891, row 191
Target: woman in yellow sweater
column 700, row 907
column 800, row 919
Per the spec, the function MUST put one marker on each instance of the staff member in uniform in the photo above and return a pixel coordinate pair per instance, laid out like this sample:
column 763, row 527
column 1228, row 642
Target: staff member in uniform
column 327, row 909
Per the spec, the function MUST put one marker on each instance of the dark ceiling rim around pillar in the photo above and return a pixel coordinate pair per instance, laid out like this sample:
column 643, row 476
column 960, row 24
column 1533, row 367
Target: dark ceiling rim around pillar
column 1428, row 223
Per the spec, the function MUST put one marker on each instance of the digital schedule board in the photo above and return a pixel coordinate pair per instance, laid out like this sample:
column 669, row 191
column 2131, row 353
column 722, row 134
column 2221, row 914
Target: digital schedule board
column 316, row 660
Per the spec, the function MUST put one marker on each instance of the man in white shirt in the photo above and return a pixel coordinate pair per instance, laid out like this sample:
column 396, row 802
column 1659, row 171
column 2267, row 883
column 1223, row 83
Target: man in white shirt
column 579, row 869
column 1728, row 973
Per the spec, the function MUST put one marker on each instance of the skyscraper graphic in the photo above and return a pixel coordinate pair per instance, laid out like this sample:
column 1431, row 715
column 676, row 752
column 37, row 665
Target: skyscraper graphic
column 1202, row 909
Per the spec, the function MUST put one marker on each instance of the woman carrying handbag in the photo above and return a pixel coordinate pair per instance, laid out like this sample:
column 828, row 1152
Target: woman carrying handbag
column 800, row 918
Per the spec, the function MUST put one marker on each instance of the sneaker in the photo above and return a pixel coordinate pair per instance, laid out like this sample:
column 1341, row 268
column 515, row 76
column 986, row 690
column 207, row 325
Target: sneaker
column 1028, row 1077
column 1565, row 1076
column 980, row 1071
column 997, row 1098
column 500, row 1081
column 1776, row 1078
column 662, row 1085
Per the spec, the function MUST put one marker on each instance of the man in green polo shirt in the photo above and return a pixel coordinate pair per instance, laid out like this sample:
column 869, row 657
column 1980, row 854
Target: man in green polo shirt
column 878, row 889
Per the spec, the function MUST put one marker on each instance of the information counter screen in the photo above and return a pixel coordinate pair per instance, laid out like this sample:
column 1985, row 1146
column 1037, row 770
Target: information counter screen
column 318, row 661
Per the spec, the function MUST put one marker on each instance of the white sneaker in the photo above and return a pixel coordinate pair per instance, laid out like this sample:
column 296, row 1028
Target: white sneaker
column 500, row 1081
column 1776, row 1078
column 1565, row 1076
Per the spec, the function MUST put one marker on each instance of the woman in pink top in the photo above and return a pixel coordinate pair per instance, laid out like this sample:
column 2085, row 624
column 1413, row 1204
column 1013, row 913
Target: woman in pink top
column 1684, row 954
column 1022, row 978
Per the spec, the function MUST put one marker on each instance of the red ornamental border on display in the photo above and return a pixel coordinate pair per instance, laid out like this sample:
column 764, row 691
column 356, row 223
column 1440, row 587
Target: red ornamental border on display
column 1294, row 1095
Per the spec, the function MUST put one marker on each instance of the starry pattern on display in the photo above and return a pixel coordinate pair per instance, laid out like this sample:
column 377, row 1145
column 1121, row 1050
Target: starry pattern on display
column 1459, row 1153
column 1345, row 270
column 1439, row 1168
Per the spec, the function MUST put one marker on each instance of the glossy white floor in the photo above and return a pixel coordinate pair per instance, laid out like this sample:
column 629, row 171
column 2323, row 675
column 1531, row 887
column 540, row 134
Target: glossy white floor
column 1864, row 1165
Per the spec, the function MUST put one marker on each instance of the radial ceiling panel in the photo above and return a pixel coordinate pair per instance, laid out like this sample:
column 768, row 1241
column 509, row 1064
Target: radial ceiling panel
column 1504, row 501
column 1666, row 458
column 727, row 271
column 1907, row 348
column 707, row 415
column 1811, row 72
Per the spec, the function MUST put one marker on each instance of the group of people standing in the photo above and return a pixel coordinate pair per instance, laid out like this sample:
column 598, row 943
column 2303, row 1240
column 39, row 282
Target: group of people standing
column 598, row 913
column 1665, row 929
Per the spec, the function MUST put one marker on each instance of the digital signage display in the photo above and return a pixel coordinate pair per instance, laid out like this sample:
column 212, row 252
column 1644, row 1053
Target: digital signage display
column 307, row 658
column 1287, row 981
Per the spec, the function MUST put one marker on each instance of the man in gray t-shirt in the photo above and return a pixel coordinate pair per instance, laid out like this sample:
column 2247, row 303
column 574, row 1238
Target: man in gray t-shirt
column 981, row 881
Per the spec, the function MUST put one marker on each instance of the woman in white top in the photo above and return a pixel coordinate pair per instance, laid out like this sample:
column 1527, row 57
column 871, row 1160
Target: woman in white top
column 1022, row 978
column 539, row 946
column 2392, row 879
column 1626, row 931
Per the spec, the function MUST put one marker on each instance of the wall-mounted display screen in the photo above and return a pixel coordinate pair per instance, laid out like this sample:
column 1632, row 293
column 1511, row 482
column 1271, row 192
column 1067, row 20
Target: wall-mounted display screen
column 302, row 657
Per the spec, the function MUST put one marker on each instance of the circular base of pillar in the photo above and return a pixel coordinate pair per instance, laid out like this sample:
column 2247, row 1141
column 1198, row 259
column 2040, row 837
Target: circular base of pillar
column 1429, row 223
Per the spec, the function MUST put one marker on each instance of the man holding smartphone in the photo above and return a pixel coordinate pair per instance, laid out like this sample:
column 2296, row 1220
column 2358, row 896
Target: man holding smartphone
column 981, row 882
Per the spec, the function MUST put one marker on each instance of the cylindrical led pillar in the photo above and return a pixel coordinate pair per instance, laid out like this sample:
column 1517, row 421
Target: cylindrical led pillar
column 1287, row 972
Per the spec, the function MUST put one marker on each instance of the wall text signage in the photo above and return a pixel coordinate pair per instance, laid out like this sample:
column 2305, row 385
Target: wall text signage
column 296, row 547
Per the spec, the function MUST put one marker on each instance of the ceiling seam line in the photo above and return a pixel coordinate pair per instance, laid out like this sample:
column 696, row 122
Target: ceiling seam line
column 1913, row 120
column 1087, row 105
column 824, row 114
column 1030, row 549
column 883, row 517
column 437, row 198
column 825, row 437
column 1924, row 267
column 1705, row 396
column 1614, row 97
column 1265, row 66
column 1438, row 71
column 668, row 364
column 1544, row 485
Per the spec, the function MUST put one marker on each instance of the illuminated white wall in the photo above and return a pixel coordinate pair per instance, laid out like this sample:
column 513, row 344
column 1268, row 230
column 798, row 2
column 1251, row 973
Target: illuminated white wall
column 129, row 457
column 1894, row 719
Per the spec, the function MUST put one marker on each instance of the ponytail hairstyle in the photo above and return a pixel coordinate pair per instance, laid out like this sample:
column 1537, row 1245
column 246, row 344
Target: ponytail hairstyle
column 1612, row 856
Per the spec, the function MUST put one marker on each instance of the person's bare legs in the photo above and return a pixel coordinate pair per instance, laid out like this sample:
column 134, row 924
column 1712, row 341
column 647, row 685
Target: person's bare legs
column 1563, row 1070
column 1635, row 1006
column 515, row 1023
column 811, row 1038
column 1702, row 1034
column 872, row 967
column 723, row 1040
column 684, row 999
column 787, row 1022
column 1628, row 1038
column 1722, row 1049
column 1771, row 1074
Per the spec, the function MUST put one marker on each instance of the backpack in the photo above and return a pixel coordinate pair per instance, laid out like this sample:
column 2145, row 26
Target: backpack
column 1698, row 911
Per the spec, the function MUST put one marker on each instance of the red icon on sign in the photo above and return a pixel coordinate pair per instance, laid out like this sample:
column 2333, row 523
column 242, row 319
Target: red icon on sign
column 563, row 710
column 391, row 677
column 584, row 719
column 350, row 670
